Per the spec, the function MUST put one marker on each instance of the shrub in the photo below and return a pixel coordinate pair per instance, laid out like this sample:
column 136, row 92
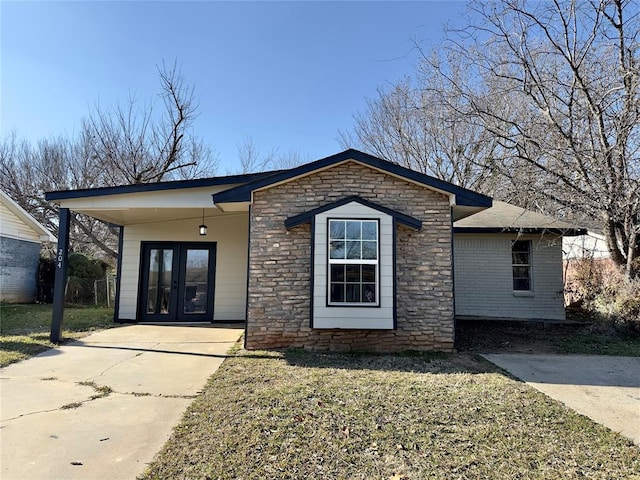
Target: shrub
column 82, row 266
column 602, row 288
column 83, row 272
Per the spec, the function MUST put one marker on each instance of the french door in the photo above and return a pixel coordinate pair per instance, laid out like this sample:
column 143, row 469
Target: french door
column 177, row 282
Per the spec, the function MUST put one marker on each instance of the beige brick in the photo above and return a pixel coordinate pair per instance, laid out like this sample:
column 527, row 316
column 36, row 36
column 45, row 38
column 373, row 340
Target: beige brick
column 280, row 282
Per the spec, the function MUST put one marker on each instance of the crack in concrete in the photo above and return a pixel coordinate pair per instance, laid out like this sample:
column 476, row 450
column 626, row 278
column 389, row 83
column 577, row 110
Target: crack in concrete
column 102, row 391
column 122, row 361
column 30, row 414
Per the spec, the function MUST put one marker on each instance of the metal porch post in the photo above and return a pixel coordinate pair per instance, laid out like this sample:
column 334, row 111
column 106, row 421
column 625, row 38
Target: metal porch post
column 61, row 275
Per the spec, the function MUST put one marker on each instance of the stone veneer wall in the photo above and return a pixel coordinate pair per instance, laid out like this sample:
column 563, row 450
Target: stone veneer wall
column 280, row 265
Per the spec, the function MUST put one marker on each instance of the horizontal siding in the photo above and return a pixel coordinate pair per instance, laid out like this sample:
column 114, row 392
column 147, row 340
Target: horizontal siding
column 230, row 232
column 12, row 226
column 484, row 282
column 353, row 317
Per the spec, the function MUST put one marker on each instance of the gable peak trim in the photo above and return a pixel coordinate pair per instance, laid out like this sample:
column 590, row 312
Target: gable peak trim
column 307, row 217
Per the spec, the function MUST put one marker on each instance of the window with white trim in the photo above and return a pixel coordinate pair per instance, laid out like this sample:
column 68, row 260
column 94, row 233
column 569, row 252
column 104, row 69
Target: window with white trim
column 521, row 265
column 353, row 262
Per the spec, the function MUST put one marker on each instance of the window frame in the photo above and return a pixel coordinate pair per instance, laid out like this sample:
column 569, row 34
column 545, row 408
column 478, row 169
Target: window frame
column 360, row 262
column 528, row 266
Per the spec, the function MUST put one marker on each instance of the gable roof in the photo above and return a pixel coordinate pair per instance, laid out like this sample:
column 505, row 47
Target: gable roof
column 306, row 217
column 504, row 217
column 242, row 193
column 44, row 234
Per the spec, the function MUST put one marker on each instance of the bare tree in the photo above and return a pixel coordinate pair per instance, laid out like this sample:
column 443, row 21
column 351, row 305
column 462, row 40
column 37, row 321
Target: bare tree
column 122, row 145
column 413, row 124
column 252, row 160
column 27, row 171
column 250, row 157
column 139, row 146
column 533, row 101
column 569, row 74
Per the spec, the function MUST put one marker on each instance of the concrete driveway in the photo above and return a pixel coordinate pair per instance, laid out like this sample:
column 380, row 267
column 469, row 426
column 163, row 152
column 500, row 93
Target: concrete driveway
column 102, row 407
column 605, row 389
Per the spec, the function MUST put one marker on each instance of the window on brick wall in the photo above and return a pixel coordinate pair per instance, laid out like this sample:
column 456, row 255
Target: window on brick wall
column 521, row 265
column 353, row 262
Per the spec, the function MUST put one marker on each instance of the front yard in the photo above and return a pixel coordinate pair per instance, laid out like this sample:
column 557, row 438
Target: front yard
column 24, row 329
column 298, row 414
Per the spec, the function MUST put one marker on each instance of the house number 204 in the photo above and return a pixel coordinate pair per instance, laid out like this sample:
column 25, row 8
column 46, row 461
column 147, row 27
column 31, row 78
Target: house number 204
column 60, row 257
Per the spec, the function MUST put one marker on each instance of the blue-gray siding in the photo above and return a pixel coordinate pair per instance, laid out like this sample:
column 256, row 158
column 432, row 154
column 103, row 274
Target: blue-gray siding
column 484, row 278
column 18, row 269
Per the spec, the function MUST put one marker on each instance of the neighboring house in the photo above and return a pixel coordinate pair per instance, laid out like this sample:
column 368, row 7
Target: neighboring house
column 508, row 264
column 586, row 259
column 21, row 237
column 347, row 252
column 590, row 245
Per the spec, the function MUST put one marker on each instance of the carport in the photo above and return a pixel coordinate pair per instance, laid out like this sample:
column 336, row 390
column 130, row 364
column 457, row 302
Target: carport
column 180, row 258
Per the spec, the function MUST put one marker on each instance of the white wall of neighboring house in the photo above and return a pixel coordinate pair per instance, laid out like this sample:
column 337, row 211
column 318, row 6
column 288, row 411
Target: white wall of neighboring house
column 20, row 240
column 484, row 280
column 591, row 245
column 230, row 232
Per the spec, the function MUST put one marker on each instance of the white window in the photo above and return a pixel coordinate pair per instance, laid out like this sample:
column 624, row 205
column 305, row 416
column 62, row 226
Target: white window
column 353, row 262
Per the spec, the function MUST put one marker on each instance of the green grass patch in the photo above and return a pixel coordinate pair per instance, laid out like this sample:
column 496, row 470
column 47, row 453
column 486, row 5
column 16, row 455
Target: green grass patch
column 24, row 329
column 300, row 414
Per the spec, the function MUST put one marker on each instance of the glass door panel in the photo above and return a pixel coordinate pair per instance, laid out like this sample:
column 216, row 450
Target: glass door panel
column 196, row 281
column 160, row 282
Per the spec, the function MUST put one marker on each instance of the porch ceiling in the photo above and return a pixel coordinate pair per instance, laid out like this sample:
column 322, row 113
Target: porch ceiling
column 136, row 216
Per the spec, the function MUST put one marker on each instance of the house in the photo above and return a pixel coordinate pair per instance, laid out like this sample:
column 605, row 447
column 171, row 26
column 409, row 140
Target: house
column 347, row 252
column 508, row 264
column 21, row 237
column 587, row 260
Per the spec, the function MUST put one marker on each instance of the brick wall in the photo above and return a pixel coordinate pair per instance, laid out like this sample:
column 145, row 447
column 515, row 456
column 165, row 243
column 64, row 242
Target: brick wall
column 18, row 269
column 280, row 264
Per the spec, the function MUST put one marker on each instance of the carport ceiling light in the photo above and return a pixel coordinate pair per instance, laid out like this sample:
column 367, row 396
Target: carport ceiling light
column 202, row 229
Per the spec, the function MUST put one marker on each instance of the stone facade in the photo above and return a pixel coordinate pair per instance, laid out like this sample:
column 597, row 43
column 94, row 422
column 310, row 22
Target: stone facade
column 280, row 264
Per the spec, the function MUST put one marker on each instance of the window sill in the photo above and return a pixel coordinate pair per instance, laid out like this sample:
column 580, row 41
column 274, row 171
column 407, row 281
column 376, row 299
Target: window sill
column 523, row 293
column 353, row 305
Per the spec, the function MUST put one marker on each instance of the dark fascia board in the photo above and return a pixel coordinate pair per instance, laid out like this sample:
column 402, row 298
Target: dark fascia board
column 154, row 187
column 307, row 217
column 567, row 232
column 463, row 196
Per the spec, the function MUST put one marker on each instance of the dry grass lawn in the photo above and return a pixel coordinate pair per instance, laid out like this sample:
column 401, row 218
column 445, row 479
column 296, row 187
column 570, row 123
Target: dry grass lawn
column 297, row 414
column 24, row 329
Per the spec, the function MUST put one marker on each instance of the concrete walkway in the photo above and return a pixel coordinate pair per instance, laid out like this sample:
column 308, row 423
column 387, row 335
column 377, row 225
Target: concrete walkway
column 102, row 407
column 605, row 389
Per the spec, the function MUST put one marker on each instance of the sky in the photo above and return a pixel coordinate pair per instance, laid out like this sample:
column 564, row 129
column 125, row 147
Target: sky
column 288, row 75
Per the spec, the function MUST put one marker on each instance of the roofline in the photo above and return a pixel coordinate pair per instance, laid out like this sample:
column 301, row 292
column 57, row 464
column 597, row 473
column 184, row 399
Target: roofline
column 15, row 208
column 567, row 232
column 243, row 193
column 306, row 217
column 154, row 187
